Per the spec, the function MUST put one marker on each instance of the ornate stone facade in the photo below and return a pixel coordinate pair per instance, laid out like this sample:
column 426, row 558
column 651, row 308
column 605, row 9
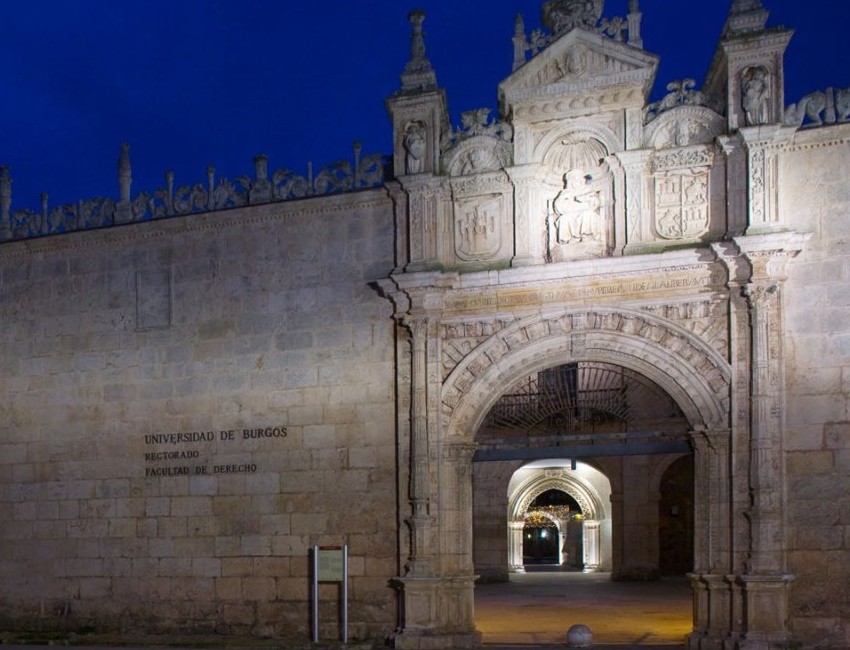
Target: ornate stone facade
column 190, row 404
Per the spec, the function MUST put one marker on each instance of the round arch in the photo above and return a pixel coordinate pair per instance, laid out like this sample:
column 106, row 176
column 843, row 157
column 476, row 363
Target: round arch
column 592, row 130
column 690, row 371
column 532, row 480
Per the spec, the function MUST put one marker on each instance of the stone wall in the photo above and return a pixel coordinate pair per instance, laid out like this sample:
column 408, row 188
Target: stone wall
column 815, row 197
column 188, row 406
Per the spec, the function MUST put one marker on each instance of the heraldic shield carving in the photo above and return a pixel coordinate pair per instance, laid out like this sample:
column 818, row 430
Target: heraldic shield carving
column 477, row 228
column 681, row 200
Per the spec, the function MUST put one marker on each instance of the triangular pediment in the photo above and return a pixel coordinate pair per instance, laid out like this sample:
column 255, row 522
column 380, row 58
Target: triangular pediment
column 580, row 61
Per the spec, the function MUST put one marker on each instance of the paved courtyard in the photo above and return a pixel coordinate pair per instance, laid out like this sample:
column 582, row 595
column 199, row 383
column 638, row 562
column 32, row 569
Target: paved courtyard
column 537, row 608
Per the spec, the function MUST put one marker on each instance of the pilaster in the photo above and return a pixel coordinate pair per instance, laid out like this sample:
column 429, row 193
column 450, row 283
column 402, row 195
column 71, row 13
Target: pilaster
column 530, row 227
column 592, row 545
column 425, row 211
column 636, row 168
column 763, row 146
column 420, row 562
column 764, row 583
column 711, row 612
column 515, row 563
column 736, row 183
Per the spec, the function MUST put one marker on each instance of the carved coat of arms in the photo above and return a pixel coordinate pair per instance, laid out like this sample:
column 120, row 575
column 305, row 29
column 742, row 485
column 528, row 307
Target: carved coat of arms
column 477, row 231
column 681, row 204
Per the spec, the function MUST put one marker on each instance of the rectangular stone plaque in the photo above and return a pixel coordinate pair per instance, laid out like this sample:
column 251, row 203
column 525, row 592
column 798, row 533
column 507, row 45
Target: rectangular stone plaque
column 153, row 299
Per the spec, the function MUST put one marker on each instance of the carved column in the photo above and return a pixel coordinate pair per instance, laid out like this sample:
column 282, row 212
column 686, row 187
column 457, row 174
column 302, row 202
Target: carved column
column 515, row 563
column 420, row 562
column 764, row 585
column 766, row 546
column 712, row 602
column 591, row 543
column 420, row 588
column 529, row 216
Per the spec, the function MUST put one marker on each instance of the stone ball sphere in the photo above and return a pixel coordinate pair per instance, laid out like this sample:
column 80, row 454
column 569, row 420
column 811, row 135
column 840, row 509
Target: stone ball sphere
column 579, row 636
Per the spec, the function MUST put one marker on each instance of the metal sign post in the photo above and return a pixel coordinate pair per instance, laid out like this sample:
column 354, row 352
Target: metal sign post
column 330, row 564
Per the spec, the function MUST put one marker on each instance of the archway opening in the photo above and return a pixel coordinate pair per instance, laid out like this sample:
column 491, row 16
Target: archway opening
column 551, row 531
column 533, row 444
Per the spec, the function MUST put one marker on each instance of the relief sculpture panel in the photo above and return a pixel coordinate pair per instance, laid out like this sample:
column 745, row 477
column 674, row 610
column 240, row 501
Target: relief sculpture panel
column 477, row 227
column 682, row 204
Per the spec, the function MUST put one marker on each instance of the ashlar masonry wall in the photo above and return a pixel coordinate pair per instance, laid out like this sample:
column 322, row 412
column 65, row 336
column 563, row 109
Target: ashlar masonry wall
column 815, row 198
column 186, row 407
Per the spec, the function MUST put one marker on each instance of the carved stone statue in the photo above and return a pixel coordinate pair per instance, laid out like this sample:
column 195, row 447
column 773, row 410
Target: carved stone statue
column 560, row 16
column 414, row 147
column 577, row 210
column 754, row 95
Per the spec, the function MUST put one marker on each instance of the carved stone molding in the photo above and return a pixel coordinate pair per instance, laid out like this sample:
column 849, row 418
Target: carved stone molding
column 641, row 331
column 584, row 494
column 685, row 157
column 684, row 126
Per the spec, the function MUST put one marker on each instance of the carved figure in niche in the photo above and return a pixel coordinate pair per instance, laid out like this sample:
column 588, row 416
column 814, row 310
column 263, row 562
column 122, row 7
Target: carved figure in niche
column 577, row 210
column 414, row 147
column 754, row 89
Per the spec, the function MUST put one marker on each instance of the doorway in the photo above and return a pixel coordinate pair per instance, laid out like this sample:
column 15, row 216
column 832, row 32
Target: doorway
column 594, row 507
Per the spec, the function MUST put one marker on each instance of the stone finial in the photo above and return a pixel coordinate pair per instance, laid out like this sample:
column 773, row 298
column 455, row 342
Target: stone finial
column 123, row 211
column 520, row 41
column 745, row 16
column 634, row 19
column 418, row 73
column 5, row 195
column 125, row 173
column 5, row 203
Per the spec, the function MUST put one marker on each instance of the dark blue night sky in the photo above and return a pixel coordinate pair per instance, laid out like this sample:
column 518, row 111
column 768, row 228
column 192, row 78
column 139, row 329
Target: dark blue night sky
column 189, row 83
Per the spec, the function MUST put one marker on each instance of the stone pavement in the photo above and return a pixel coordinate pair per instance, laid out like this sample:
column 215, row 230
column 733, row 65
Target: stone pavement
column 537, row 608
column 534, row 611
